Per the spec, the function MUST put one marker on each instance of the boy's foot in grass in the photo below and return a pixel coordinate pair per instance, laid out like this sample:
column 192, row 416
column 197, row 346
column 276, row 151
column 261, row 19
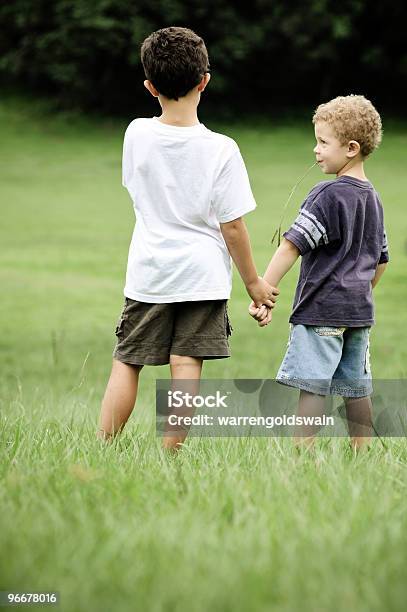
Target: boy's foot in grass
column 104, row 436
column 357, row 446
column 304, row 445
column 173, row 444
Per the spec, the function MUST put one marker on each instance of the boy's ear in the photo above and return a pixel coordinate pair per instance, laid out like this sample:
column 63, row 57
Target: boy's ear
column 205, row 80
column 150, row 87
column 353, row 148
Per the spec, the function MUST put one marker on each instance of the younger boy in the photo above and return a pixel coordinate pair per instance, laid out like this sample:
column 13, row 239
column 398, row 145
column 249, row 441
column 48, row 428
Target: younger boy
column 190, row 190
column 340, row 235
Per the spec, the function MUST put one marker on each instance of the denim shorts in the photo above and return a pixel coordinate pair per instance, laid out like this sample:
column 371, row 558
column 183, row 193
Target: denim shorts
column 328, row 360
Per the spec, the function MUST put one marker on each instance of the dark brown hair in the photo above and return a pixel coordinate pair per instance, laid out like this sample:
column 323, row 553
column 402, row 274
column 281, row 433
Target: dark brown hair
column 174, row 60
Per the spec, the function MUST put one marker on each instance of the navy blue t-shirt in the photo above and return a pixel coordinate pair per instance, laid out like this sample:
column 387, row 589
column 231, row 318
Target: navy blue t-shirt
column 340, row 234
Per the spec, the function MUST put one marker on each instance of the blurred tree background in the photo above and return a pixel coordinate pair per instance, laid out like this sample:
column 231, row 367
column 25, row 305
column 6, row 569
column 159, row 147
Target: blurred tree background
column 264, row 54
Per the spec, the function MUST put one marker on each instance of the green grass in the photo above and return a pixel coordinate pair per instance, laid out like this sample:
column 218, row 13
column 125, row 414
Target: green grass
column 230, row 524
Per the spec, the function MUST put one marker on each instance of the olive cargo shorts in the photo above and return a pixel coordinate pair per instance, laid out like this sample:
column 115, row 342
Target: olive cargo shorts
column 147, row 334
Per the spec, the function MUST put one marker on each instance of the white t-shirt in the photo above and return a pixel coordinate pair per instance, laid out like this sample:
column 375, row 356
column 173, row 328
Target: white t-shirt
column 183, row 182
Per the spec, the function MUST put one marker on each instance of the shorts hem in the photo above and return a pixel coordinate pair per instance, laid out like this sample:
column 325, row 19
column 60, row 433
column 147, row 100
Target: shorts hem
column 137, row 359
column 331, row 390
column 301, row 384
column 157, row 360
column 359, row 392
column 196, row 352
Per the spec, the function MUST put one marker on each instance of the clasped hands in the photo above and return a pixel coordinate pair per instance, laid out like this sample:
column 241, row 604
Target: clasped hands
column 264, row 298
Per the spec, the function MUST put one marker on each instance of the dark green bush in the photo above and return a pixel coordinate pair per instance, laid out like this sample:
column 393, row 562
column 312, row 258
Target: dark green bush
column 264, row 53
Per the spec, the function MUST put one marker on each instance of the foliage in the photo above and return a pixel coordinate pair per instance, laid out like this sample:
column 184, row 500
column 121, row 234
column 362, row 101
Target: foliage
column 263, row 54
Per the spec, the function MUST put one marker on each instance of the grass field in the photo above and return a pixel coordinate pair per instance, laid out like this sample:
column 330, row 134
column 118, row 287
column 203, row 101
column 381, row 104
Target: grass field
column 229, row 524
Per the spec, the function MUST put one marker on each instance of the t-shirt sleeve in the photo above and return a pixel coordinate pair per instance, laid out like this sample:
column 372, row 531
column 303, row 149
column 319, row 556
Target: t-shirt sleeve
column 232, row 195
column 384, row 255
column 317, row 224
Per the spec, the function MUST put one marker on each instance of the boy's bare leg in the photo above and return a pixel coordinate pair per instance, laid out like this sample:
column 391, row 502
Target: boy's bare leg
column 360, row 419
column 313, row 405
column 119, row 399
column 183, row 368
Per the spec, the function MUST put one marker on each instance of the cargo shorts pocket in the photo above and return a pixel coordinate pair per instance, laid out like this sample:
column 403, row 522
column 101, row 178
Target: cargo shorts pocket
column 228, row 325
column 119, row 331
column 335, row 332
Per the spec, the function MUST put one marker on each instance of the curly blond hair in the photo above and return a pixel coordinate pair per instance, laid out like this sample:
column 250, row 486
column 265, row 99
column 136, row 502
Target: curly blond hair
column 352, row 118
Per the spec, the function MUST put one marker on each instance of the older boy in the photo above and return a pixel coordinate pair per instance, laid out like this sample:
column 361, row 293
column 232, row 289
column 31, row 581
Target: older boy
column 340, row 235
column 190, row 190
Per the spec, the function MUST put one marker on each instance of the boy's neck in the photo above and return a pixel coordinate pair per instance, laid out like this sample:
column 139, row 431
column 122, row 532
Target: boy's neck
column 356, row 170
column 181, row 112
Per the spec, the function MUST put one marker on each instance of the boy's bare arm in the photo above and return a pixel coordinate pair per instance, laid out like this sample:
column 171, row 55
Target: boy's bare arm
column 282, row 261
column 379, row 272
column 237, row 240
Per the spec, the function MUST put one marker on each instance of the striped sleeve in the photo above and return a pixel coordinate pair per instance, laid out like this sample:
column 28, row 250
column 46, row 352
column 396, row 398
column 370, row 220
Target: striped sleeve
column 308, row 230
column 384, row 255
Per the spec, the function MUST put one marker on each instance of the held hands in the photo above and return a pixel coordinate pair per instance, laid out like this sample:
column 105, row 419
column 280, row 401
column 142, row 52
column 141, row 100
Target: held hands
column 264, row 297
column 263, row 315
column 262, row 293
